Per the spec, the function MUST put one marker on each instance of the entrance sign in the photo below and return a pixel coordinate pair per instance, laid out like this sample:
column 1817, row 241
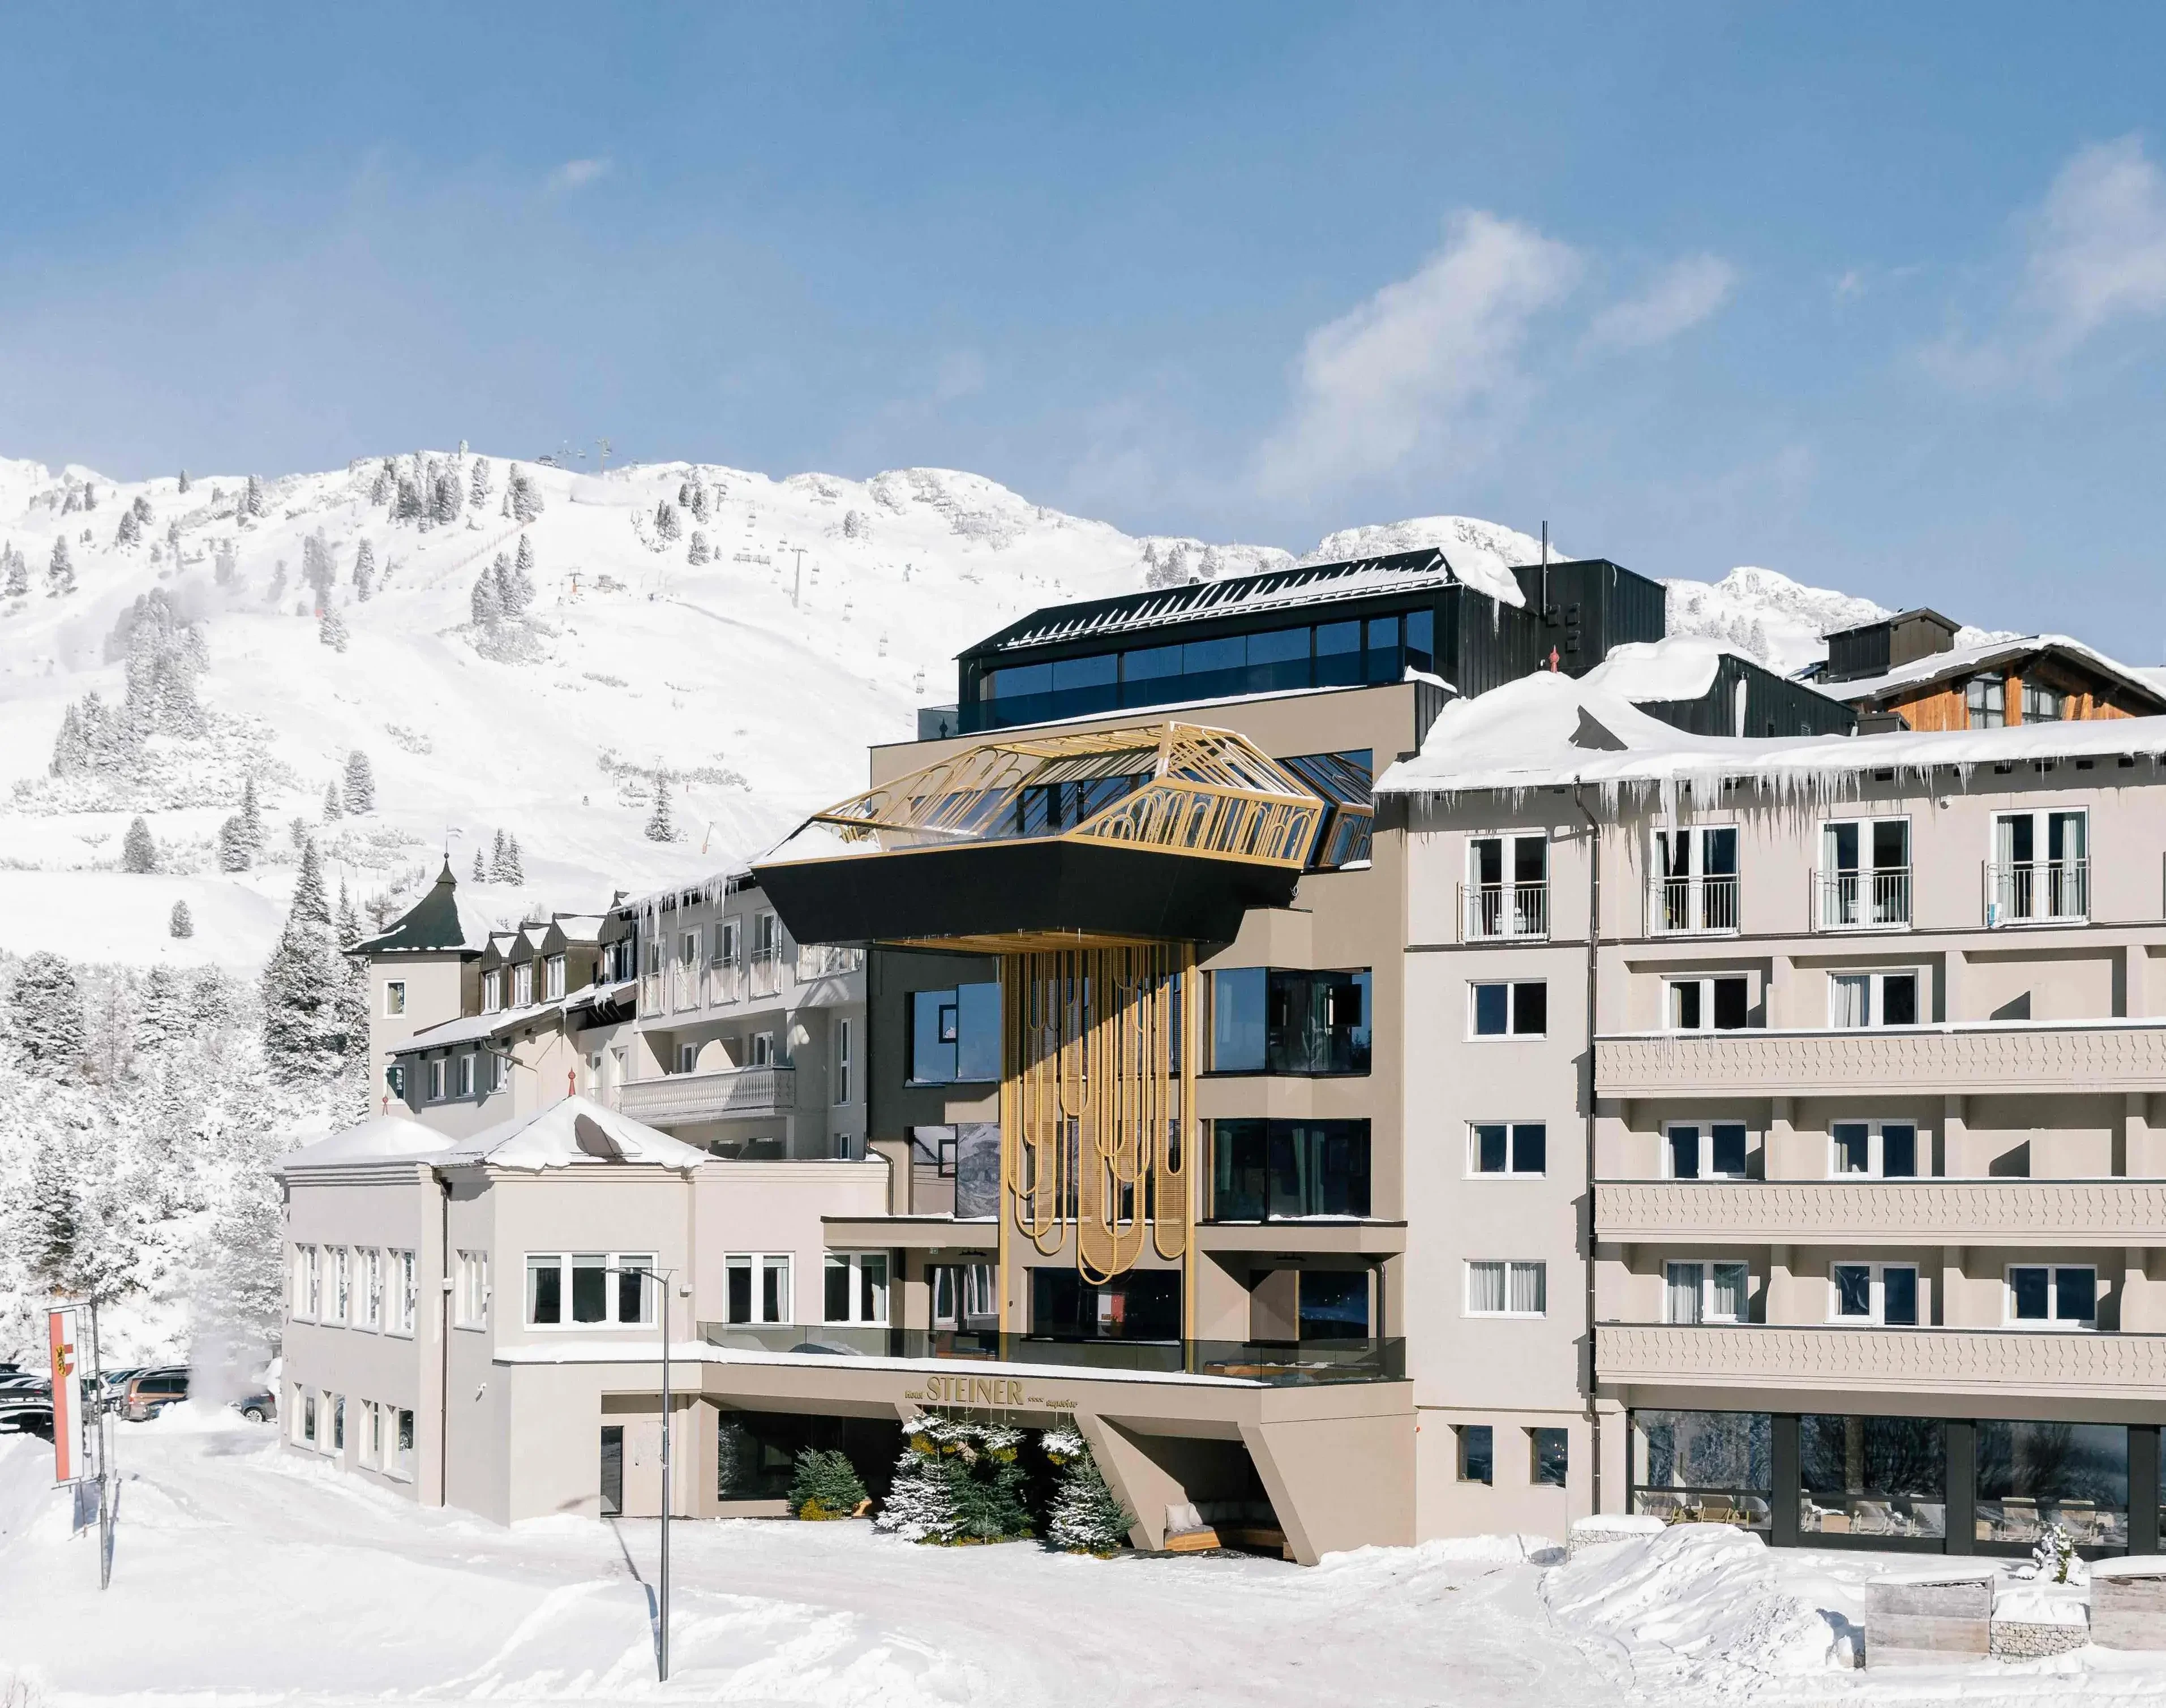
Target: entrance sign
column 67, row 1395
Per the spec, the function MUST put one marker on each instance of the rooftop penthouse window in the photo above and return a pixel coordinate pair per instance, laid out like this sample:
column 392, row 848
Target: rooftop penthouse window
column 1348, row 654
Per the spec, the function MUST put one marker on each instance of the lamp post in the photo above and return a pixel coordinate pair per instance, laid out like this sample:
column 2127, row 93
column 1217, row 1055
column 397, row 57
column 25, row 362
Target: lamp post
column 662, row 1279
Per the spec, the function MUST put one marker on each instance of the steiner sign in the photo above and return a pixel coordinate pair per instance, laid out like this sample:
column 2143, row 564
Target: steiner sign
column 67, row 1396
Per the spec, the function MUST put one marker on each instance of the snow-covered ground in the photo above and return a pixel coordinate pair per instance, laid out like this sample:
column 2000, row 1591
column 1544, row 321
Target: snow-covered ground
column 244, row 1573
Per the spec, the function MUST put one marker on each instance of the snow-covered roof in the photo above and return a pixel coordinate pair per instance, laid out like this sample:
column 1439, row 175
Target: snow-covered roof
column 574, row 1130
column 470, row 1027
column 380, row 1139
column 1679, row 667
column 439, row 922
column 1546, row 729
column 1962, row 660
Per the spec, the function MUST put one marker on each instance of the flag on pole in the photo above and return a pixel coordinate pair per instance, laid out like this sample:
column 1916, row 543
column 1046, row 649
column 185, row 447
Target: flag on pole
column 67, row 1396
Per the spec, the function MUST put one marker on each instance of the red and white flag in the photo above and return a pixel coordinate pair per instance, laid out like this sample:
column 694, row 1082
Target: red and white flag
column 68, row 1397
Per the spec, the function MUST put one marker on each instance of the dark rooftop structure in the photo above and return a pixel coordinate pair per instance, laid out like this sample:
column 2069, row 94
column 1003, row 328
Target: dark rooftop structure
column 1875, row 648
column 430, row 926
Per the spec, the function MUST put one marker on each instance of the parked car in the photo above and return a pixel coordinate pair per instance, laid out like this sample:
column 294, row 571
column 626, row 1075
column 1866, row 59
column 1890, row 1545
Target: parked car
column 115, row 1380
column 146, row 1395
column 260, row 1407
column 12, row 1386
column 22, row 1416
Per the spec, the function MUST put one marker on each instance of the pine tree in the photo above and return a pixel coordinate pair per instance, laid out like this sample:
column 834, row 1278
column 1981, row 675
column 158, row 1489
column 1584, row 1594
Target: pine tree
column 331, row 630
column 349, row 922
column 698, row 553
column 486, row 601
column 524, row 497
column 89, row 496
column 379, row 491
column 60, row 572
column 18, row 568
column 304, row 1029
column 360, row 783
column 186, row 483
column 235, row 851
column 407, row 507
column 666, row 525
column 497, row 875
column 515, row 869
column 334, row 807
column 53, row 1218
column 140, row 509
column 448, row 498
column 252, row 818
column 660, row 827
column 1086, row 1518
column 957, row 1482
column 251, row 501
column 317, row 573
column 182, row 923
column 826, row 1485
column 478, row 488
column 161, row 1015
column 45, row 1010
column 522, row 579
column 364, row 570
column 129, row 532
column 139, row 853
column 480, row 871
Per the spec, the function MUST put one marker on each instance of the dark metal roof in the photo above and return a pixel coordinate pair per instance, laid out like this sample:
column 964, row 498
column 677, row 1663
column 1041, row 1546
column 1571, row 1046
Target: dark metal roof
column 431, row 923
column 1916, row 612
column 1316, row 584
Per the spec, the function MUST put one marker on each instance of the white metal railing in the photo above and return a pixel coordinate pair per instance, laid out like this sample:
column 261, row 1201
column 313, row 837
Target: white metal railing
column 685, row 985
column 650, row 993
column 1874, row 899
column 2037, row 889
column 733, row 1093
column 726, row 983
column 1690, row 906
column 1489, row 911
column 822, row 961
column 766, row 971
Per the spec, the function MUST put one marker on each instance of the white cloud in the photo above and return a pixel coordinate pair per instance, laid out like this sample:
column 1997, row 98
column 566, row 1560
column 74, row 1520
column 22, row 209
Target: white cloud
column 1402, row 374
column 1686, row 293
column 577, row 174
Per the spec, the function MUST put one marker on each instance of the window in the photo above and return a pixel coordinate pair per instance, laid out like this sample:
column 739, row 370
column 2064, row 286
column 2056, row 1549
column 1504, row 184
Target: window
column 856, row 1287
column 1343, row 782
column 1700, row 1292
column 954, row 1035
column 499, row 1069
column 1985, row 697
column 308, row 1282
column 394, row 997
column 310, row 1420
column 1865, row 874
column 1695, row 879
column 2033, row 1474
column 1708, row 1004
column 1507, row 1289
column 1879, row 1149
column 756, row 1288
column 1513, row 1010
column 492, row 990
column 1477, row 1453
column 404, row 1294
column 1272, row 1020
column 2056, row 1296
column 729, row 946
column 1709, row 1466
column 1873, row 1476
column 372, row 1288
column 466, row 1080
column 587, row 1289
column 1495, row 1147
column 842, row 1059
column 394, row 1081
column 437, row 1079
column 2041, row 867
column 522, row 985
column 552, row 976
column 341, row 1301
column 1860, row 1001
column 1552, row 1450
column 1507, row 886
column 763, row 1050
column 1704, row 1150
column 1275, row 1171
column 402, row 1443
column 688, row 1058
column 766, row 944
column 371, row 1452
column 1873, row 1292
column 2044, row 704
column 473, row 1290
column 338, row 1421
column 963, row 1296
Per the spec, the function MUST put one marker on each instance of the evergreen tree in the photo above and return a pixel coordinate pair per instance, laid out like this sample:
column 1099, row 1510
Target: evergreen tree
column 447, row 498
column 478, row 488
column 252, row 818
column 331, row 630
column 59, row 571
column 826, row 1485
column 71, row 753
column 1086, row 1518
column 305, row 1031
column 379, row 491
column 182, row 923
column 699, row 504
column 161, row 1015
column 317, row 573
column 53, row 1219
column 486, row 601
column 957, row 1482
column 667, row 527
column 18, row 570
column 522, row 579
column 480, row 871
column 364, row 571
column 128, row 533
column 698, row 553
column 139, row 852
column 407, row 507
column 234, row 849
column 140, row 509
column 186, row 483
column 46, row 1016
column 349, row 922
column 89, row 496
column 251, row 501
column 515, row 869
column 524, row 497
column 333, row 807
column 660, row 825
column 360, row 783
column 497, row 873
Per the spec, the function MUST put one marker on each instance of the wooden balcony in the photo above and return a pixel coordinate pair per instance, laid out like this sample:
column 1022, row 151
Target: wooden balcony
column 1859, row 1212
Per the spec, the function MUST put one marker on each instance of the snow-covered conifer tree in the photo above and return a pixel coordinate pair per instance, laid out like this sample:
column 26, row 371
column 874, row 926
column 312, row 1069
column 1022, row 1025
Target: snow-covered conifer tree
column 497, row 873
column 185, row 484
column 360, row 783
column 480, row 870
column 331, row 630
column 448, row 499
column 45, row 1014
column 140, row 509
column 348, row 921
column 522, row 579
column 525, row 495
column 486, row 601
column 1085, row 1518
column 379, row 491
column 334, row 807
column 17, row 570
column 251, row 501
column 129, row 532
column 59, row 569
column 667, row 527
column 181, row 923
column 515, row 869
column 235, row 852
column 407, row 507
column 303, row 1031
column 364, row 570
column 251, row 815
column 660, row 825
column 478, row 487
column 139, row 851
column 698, row 552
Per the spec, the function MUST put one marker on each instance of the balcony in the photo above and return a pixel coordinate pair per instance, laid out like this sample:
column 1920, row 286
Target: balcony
column 1852, row 1212
column 766, row 978
column 685, row 987
column 1504, row 912
column 726, row 983
column 2102, row 1055
column 1877, row 899
column 826, row 960
column 1958, row 1362
column 735, row 1094
column 1700, row 906
column 2038, row 892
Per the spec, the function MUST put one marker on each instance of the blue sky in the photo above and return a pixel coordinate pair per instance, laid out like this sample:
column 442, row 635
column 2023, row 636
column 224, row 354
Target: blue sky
column 1874, row 296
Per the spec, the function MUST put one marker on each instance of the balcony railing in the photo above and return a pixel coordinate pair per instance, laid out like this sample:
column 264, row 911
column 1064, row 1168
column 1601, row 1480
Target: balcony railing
column 737, row 1093
column 2038, row 891
column 823, row 960
column 766, row 975
column 684, row 985
column 1875, row 900
column 651, row 993
column 1927, row 1210
column 1278, row 1363
column 1691, row 907
column 1839, row 1360
column 1503, row 910
column 726, row 983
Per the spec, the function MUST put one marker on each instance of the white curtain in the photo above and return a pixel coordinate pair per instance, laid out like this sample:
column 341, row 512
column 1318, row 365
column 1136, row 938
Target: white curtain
column 1485, row 1287
column 1684, row 1293
column 1728, row 1302
column 1849, row 999
column 1529, row 1288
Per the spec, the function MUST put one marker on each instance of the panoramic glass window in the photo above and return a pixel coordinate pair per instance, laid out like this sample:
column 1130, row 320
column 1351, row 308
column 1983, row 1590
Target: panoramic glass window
column 954, row 1035
column 1708, row 1466
column 1873, row 1476
column 1271, row 1171
column 1282, row 1021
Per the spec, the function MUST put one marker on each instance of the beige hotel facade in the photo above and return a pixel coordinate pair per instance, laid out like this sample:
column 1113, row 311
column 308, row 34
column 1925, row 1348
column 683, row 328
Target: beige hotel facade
column 1378, row 1089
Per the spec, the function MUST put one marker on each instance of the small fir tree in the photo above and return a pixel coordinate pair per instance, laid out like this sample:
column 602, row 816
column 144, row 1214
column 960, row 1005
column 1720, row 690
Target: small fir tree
column 698, row 552
column 667, row 527
column 183, row 923
column 959, row 1482
column 1085, row 1518
column 139, row 851
column 360, row 783
column 660, row 825
column 331, row 630
column 364, row 571
column 348, row 921
column 46, row 1014
column 251, row 501
column 304, row 1020
column 186, row 485
column 525, row 497
column 333, row 807
column 826, row 1486
column 59, row 569
column 515, row 869
column 18, row 567
column 251, row 819
column 480, row 870
column 522, row 579
column 496, row 871
column 478, row 487
column 485, row 604
column 236, row 850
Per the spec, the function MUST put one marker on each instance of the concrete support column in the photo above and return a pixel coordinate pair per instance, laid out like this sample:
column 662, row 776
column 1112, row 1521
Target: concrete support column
column 1953, row 966
column 2136, row 1312
column 2132, row 1153
column 1776, row 1305
column 1776, row 1162
column 2136, row 962
column 1780, row 971
column 1947, row 1296
column 1954, row 1159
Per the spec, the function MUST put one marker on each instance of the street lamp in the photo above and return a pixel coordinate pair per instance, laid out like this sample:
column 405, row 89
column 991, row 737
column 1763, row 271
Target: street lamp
column 662, row 1279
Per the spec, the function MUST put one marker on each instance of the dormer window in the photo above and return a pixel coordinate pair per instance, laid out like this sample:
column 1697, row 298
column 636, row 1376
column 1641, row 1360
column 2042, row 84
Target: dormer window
column 492, row 991
column 552, row 972
column 522, row 985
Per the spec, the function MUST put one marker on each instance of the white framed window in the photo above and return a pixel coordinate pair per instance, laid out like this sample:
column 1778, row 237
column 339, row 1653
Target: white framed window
column 763, row 1050
column 688, row 1058
column 499, row 1069
column 394, row 997
column 337, row 1406
column 466, row 1077
column 340, row 1264
column 766, row 936
column 1874, row 1150
column 1703, row 1150
column 1516, row 1010
column 1507, row 1288
column 2053, row 1296
column 1876, row 997
column 394, row 1081
column 1507, row 892
column 756, row 1287
column 1876, row 1294
column 1702, row 1290
column 522, row 985
column 492, row 990
column 472, row 1293
column 729, row 943
column 2041, row 867
column 372, row 1288
column 311, row 1419
column 1695, row 879
column 963, row 1295
column 437, row 1079
column 590, row 1289
column 369, row 1450
column 854, row 1287
column 1506, row 1148
column 308, row 1282
column 843, row 1062
column 404, row 1292
column 688, row 947
column 402, row 1443
column 1864, row 878
column 1717, row 1003
column 552, row 976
